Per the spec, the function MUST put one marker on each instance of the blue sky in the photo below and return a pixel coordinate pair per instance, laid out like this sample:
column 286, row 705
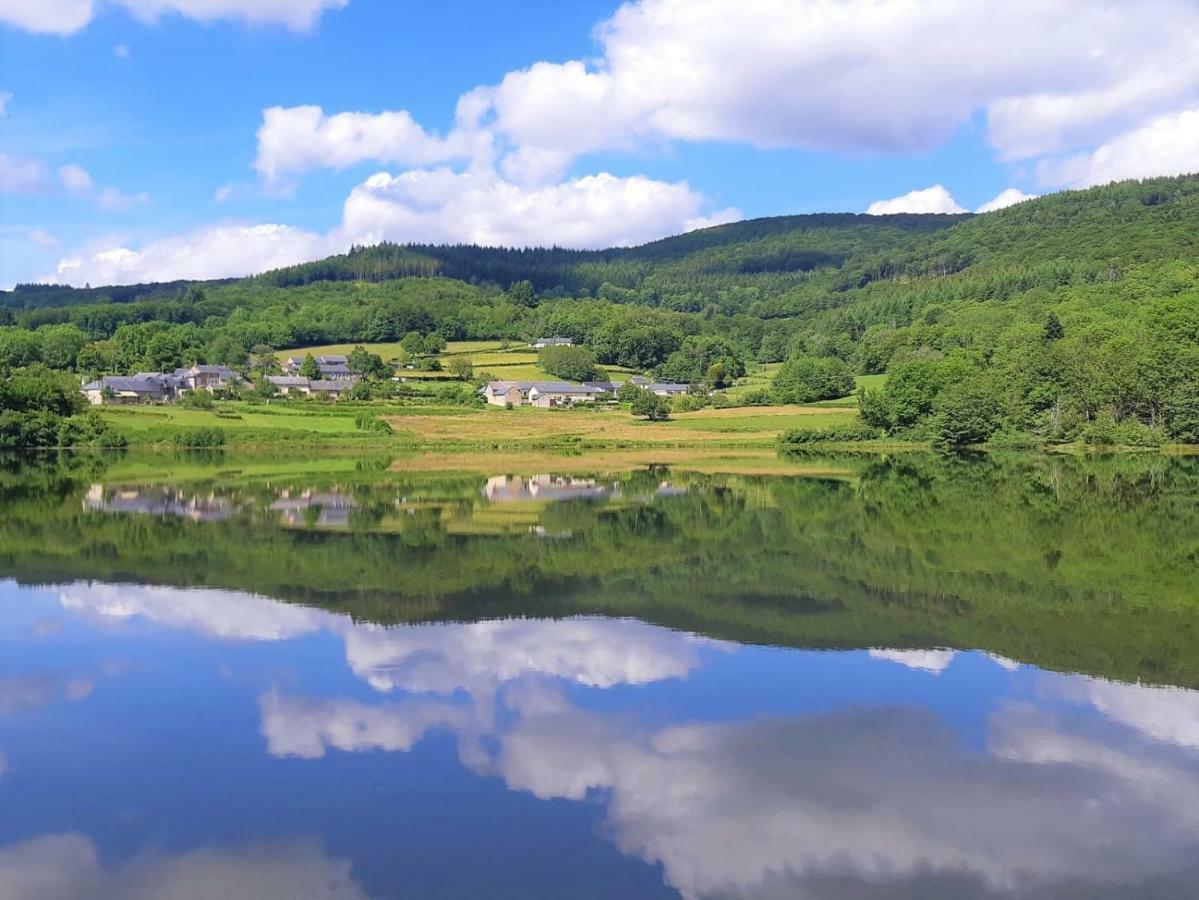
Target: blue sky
column 138, row 140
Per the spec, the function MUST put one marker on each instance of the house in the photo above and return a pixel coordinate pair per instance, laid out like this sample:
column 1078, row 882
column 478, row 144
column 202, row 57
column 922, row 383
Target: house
column 503, row 393
column 639, row 380
column 553, row 342
column 144, row 387
column 666, row 389
column 207, row 378
column 331, row 365
column 548, row 395
column 333, row 388
column 289, row 384
column 608, row 387
column 543, row 394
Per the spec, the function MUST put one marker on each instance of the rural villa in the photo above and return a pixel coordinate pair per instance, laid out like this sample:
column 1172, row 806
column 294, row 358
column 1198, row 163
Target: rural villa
column 550, row 394
column 158, row 387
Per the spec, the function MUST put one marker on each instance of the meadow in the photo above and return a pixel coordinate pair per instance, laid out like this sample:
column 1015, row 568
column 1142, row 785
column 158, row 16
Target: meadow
column 247, row 424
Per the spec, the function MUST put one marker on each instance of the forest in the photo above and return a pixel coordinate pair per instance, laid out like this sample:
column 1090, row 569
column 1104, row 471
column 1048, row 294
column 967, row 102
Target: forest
column 1071, row 317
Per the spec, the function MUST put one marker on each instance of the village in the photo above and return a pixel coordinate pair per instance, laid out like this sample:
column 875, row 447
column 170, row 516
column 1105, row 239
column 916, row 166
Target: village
column 336, row 380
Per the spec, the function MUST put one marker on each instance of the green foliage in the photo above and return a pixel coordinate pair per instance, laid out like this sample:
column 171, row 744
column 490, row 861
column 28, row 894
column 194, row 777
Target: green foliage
column 805, row 379
column 461, row 367
column 197, row 400
column 650, row 406
column 367, row 364
column 310, row 368
column 200, row 438
column 366, row 421
column 571, row 363
column 522, row 294
column 837, row 434
column 967, row 412
column 696, row 358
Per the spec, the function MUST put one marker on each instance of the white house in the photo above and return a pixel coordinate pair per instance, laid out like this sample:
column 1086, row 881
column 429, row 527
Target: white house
column 543, row 394
column 553, row 342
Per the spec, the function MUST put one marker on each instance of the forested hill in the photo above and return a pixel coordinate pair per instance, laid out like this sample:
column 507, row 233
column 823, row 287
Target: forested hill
column 1082, row 307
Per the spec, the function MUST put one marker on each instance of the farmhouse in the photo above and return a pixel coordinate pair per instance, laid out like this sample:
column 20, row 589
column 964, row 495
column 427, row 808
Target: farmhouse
column 144, row 387
column 544, row 394
column 331, row 365
column 665, row 389
column 553, row 342
column 206, row 378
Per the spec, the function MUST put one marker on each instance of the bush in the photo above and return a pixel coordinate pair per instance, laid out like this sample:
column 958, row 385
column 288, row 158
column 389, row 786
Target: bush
column 689, row 403
column 365, row 421
column 837, row 434
column 967, row 412
column 758, row 397
column 571, row 363
column 200, row 438
column 650, row 406
column 807, row 379
column 197, row 400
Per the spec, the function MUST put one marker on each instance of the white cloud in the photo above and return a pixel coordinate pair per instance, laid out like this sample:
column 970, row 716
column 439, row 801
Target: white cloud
column 1163, row 713
column 46, row 16
column 44, row 239
column 441, row 205
column 481, row 207
column 299, row 138
column 121, row 51
column 75, row 179
column 69, row 16
column 219, row 251
column 222, row 193
column 22, row 175
column 1004, row 199
column 1168, row 145
column 68, row 867
column 935, row 199
column 306, row 728
column 807, row 73
column 935, row 661
column 112, row 200
column 213, row 613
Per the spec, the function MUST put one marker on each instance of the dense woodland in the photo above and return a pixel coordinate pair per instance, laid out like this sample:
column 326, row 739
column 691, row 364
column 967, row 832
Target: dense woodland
column 1074, row 316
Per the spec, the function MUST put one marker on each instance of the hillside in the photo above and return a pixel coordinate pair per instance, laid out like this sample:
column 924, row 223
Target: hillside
column 1107, row 276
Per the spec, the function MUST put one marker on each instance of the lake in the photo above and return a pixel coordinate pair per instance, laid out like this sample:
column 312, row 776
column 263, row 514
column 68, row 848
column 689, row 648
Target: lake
column 823, row 677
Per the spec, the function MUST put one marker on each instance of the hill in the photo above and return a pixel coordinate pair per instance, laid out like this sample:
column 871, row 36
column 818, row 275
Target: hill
column 1084, row 301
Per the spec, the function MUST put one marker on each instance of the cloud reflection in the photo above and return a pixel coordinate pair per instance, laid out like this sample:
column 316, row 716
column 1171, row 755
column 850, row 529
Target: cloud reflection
column 67, row 867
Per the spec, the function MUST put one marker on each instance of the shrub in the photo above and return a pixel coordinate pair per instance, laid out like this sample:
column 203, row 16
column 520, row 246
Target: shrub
column 365, row 421
column 650, row 406
column 197, row 400
column 200, row 438
column 758, row 397
column 837, row 434
column 806, row 379
column 572, row 363
column 967, row 412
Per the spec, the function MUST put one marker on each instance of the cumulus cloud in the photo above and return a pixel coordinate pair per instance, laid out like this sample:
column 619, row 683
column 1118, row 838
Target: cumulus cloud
column 774, row 74
column 484, row 208
column 213, row 613
column 299, row 138
column 935, row 661
column 69, row 16
column 1167, row 145
column 68, row 867
column 220, row 251
column 75, row 179
column 935, row 199
column 476, row 206
column 1004, row 199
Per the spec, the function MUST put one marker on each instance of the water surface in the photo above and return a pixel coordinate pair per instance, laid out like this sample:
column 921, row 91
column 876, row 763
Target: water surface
column 920, row 679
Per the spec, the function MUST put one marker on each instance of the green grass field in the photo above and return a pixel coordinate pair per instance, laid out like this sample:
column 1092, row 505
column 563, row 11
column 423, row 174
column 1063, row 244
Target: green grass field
column 517, row 362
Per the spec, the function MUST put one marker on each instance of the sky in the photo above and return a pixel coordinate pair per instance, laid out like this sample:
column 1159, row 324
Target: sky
column 145, row 140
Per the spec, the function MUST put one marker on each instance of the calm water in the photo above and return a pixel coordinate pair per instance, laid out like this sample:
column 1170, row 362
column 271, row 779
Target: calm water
column 907, row 678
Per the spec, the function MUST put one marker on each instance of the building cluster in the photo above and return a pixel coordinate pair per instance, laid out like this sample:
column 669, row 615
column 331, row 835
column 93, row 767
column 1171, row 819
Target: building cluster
column 158, row 387
column 550, row 394
column 336, row 379
column 331, row 366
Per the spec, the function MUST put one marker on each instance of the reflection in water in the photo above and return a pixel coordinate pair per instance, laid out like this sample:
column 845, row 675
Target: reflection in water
column 67, row 867
column 164, row 501
column 1076, row 785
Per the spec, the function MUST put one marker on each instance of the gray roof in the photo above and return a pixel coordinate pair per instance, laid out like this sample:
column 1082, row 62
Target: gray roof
column 604, row 386
column 332, row 384
column 145, row 383
column 287, row 380
column 554, row 340
column 563, row 387
column 667, row 386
